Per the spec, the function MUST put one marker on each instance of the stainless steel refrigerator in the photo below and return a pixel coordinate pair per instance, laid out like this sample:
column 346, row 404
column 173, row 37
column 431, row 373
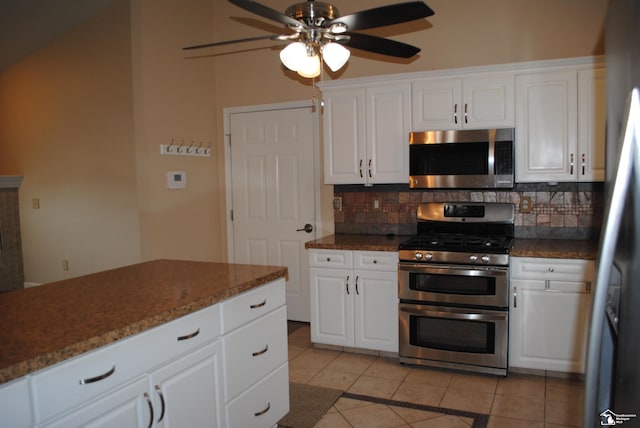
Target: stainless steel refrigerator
column 612, row 377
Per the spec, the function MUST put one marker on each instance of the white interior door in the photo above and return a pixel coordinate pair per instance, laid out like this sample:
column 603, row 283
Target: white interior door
column 273, row 186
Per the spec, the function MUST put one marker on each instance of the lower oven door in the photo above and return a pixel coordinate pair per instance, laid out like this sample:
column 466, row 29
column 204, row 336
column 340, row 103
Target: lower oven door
column 454, row 285
column 471, row 339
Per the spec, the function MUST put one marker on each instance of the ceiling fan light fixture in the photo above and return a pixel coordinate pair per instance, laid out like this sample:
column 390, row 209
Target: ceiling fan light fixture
column 293, row 55
column 309, row 66
column 335, row 55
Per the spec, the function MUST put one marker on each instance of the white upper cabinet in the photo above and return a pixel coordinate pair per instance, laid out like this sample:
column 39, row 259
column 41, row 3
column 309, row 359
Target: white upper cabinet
column 366, row 134
column 472, row 102
column 591, row 120
column 560, row 125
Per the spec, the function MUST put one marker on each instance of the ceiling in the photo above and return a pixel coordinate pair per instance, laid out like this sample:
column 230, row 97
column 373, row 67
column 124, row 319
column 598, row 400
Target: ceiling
column 27, row 25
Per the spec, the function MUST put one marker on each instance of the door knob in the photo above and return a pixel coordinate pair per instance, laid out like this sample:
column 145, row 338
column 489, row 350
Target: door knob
column 307, row 228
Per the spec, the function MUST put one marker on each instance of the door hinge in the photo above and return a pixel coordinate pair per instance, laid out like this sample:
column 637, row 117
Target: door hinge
column 231, row 214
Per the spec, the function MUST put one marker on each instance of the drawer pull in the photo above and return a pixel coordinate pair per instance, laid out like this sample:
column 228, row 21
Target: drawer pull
column 255, row 354
column 189, row 336
column 146, row 397
column 262, row 412
column 258, row 305
column 328, row 259
column 98, row 378
column 375, row 261
column 159, row 391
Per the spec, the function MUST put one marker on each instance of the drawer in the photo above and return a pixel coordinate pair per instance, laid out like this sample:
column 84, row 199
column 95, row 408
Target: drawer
column 331, row 259
column 264, row 404
column 253, row 351
column 376, row 260
column 248, row 306
column 15, row 404
column 552, row 269
column 82, row 378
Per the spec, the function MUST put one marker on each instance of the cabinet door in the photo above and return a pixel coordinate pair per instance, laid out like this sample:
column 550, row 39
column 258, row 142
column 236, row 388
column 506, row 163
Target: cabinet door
column 376, row 310
column 435, row 104
column 332, row 292
column 344, row 137
column 388, row 122
column 127, row 407
column 546, row 126
column 591, row 124
column 549, row 323
column 15, row 404
column 187, row 391
column 488, row 102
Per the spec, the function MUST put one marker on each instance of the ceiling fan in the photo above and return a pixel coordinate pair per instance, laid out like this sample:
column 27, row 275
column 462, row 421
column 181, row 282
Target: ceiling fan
column 318, row 31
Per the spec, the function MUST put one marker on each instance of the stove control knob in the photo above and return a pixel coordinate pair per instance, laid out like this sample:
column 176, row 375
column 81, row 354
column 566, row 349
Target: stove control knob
column 428, row 256
column 485, row 259
column 473, row 259
column 418, row 255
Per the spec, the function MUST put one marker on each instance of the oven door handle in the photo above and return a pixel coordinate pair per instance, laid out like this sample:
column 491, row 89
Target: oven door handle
column 453, row 314
column 466, row 271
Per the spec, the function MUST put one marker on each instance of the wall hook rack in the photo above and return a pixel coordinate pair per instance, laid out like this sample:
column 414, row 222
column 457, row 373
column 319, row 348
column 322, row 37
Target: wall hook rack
column 186, row 149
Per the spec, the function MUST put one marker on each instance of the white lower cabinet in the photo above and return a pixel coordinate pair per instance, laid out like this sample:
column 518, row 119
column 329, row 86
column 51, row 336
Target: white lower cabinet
column 354, row 298
column 549, row 313
column 255, row 357
column 179, row 374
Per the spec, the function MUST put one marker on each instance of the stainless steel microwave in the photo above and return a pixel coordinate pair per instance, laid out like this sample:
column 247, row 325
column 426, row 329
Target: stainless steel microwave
column 465, row 159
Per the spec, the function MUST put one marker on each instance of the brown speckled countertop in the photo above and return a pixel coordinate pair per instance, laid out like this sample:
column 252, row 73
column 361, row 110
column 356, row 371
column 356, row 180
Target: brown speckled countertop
column 358, row 242
column 44, row 325
column 552, row 248
column 555, row 248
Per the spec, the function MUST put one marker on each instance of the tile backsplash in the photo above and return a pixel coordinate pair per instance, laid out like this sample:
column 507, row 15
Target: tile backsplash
column 563, row 211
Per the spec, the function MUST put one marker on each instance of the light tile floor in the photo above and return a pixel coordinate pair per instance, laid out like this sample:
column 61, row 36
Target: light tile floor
column 518, row 400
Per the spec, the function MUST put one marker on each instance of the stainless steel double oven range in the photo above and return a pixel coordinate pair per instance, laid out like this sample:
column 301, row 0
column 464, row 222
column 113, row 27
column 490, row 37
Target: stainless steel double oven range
column 454, row 287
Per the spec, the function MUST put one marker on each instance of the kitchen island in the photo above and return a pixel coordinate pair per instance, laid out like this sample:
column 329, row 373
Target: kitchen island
column 135, row 309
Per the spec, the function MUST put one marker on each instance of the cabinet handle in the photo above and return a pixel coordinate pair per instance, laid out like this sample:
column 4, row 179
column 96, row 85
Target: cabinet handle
column 465, row 113
column 146, row 397
column 370, row 169
column 258, row 305
column 357, row 292
column 328, row 259
column 455, row 113
column 255, row 354
column 375, row 262
column 347, row 284
column 361, row 169
column 99, row 377
column 551, row 269
column 159, row 392
column 584, row 160
column 571, row 163
column 262, row 412
column 515, row 297
column 189, row 336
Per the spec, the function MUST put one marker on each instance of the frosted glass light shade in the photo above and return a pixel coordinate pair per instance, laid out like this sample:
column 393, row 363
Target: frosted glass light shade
column 293, row 55
column 309, row 66
column 335, row 55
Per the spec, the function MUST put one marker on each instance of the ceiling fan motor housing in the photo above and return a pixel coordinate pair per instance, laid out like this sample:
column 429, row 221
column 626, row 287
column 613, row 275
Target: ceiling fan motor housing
column 312, row 13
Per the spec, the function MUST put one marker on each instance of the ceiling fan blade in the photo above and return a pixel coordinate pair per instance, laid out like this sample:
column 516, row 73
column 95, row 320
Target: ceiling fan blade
column 382, row 16
column 267, row 12
column 381, row 45
column 228, row 42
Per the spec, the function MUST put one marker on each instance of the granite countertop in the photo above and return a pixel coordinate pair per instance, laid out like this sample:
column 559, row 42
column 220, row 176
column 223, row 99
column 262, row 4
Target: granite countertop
column 358, row 242
column 44, row 325
column 555, row 248
column 552, row 248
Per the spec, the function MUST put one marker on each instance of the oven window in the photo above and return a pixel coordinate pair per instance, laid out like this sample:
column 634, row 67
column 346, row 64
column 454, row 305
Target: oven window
column 453, row 335
column 453, row 284
column 449, row 159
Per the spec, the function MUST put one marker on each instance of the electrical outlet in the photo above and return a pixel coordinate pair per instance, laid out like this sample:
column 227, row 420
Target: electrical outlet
column 376, row 204
column 337, row 203
column 65, row 265
column 35, row 203
column 525, row 204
